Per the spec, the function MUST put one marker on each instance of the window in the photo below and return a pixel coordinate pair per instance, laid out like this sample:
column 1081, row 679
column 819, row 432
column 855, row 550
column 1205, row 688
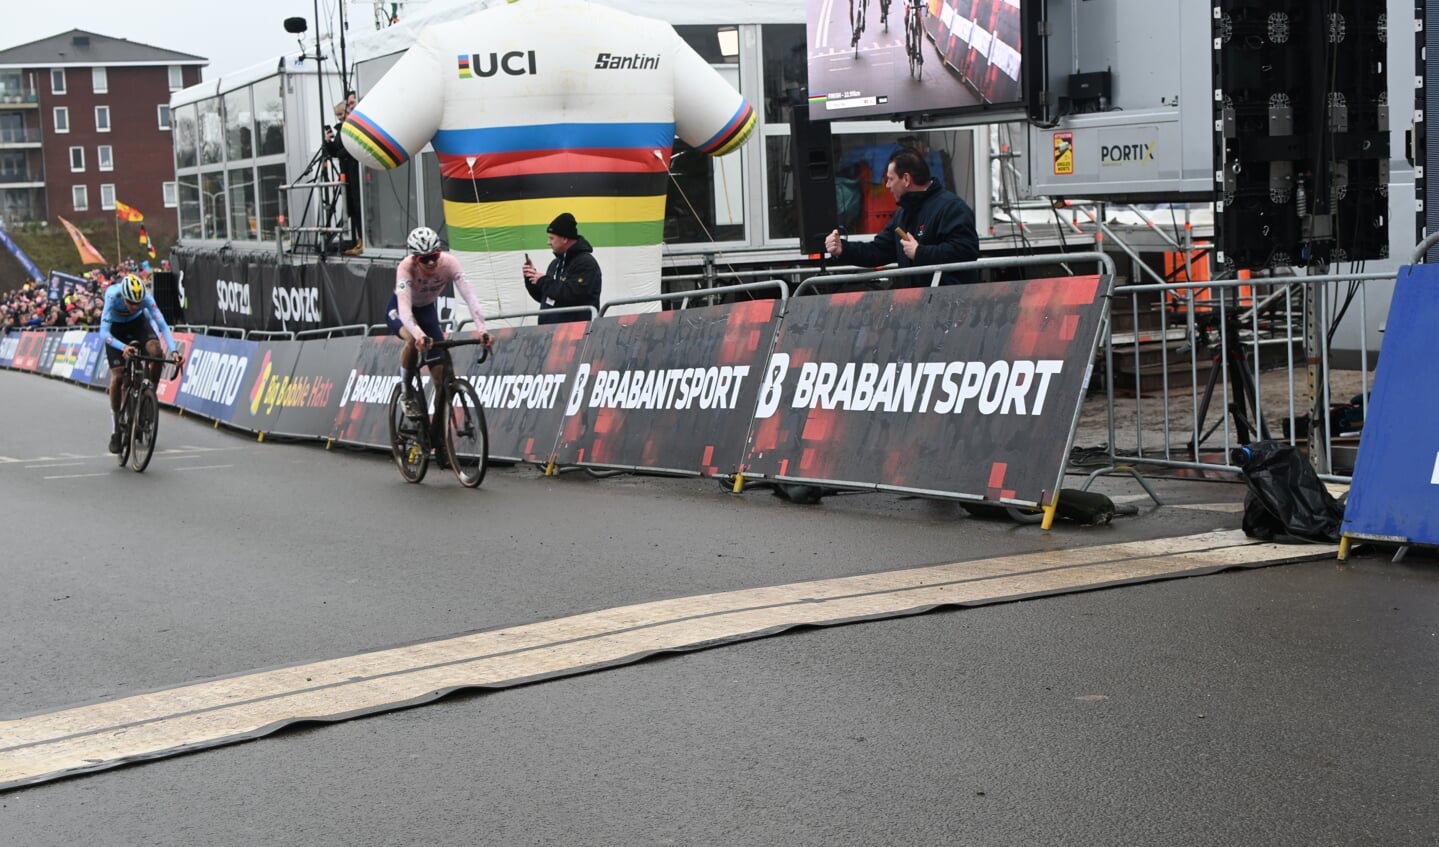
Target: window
column 177, row 78
column 105, row 157
column 107, row 195
column 62, row 119
column 101, row 80
column 80, row 197
column 164, row 112
column 102, row 118
column 57, row 81
column 77, row 159
column 172, row 195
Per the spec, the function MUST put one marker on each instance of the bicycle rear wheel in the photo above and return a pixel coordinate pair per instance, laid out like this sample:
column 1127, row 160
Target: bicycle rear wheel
column 467, row 438
column 144, row 426
column 409, row 440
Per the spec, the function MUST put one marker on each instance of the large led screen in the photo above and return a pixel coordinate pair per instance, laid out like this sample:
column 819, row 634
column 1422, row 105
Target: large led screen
column 890, row 58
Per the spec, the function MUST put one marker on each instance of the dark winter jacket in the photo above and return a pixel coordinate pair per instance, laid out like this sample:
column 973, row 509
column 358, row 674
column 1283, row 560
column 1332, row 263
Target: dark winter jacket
column 571, row 280
column 942, row 223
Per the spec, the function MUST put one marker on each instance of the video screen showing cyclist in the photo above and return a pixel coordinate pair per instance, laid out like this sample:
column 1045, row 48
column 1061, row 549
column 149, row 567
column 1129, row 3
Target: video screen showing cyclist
column 414, row 316
column 125, row 328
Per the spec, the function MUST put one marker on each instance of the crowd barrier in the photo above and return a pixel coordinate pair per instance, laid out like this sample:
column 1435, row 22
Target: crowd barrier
column 960, row 392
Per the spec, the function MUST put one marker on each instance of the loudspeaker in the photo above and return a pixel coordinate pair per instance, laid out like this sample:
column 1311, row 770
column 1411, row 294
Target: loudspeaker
column 165, row 286
column 812, row 163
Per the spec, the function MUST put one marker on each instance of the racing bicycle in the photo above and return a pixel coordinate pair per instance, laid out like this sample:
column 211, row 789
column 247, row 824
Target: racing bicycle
column 914, row 37
column 463, row 431
column 856, row 23
column 140, row 412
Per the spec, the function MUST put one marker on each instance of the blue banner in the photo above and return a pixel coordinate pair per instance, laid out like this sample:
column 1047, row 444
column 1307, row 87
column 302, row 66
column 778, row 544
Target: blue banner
column 89, row 358
column 214, row 377
column 20, row 255
column 1394, row 495
column 8, row 343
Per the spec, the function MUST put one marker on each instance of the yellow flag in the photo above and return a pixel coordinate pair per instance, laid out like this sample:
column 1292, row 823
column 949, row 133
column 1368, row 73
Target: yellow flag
column 128, row 213
column 88, row 254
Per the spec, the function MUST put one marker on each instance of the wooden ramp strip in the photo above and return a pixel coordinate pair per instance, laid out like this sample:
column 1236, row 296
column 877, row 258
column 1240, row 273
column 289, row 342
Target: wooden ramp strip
column 178, row 720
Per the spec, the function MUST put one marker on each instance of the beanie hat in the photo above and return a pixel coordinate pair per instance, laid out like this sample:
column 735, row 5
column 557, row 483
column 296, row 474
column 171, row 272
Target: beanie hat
column 564, row 226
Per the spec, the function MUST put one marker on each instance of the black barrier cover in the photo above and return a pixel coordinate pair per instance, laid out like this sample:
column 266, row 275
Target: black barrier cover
column 293, row 300
column 668, row 390
column 347, row 296
column 311, row 398
column 966, row 390
column 222, row 294
column 524, row 386
column 365, row 394
column 261, row 399
column 264, row 295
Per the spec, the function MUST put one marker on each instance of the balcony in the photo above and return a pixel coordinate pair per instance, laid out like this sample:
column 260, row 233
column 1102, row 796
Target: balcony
column 22, row 177
column 20, row 137
column 18, row 95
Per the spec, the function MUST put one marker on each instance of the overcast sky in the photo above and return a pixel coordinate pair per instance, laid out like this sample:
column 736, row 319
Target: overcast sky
column 232, row 34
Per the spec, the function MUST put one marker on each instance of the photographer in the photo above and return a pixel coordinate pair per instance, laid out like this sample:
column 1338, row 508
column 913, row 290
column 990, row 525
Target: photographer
column 349, row 173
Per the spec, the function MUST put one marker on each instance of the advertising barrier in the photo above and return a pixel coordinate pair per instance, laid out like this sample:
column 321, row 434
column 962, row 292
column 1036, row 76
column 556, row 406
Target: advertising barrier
column 967, row 390
column 668, row 391
column 9, row 342
column 309, row 401
column 360, row 415
column 1394, row 495
column 525, row 386
column 67, row 352
column 28, row 351
column 264, row 395
column 214, row 380
column 169, row 385
column 89, row 360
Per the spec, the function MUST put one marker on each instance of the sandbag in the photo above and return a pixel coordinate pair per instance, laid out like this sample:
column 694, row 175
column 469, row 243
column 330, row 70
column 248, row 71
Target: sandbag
column 1286, row 500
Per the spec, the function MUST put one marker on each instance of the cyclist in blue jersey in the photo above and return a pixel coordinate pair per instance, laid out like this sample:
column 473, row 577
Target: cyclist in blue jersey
column 125, row 327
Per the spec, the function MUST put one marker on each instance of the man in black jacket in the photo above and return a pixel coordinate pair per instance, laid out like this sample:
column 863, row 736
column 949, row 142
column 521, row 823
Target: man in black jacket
column 572, row 279
column 931, row 226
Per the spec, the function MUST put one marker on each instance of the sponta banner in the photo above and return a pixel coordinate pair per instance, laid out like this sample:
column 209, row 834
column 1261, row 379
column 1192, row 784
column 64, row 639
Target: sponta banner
column 670, row 390
column 547, row 106
column 968, row 390
column 524, row 386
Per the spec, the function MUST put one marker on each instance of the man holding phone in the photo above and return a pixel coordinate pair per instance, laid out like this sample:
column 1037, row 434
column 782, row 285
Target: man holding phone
column 931, row 226
column 573, row 276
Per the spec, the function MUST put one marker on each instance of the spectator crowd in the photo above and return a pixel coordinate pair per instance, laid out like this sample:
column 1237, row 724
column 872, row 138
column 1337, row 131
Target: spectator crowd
column 77, row 305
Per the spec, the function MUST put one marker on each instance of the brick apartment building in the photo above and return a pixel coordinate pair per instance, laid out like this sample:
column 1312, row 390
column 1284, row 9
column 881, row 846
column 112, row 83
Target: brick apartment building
column 85, row 121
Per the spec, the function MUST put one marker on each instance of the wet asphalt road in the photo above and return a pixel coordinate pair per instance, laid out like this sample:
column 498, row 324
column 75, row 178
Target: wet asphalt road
column 1286, row 705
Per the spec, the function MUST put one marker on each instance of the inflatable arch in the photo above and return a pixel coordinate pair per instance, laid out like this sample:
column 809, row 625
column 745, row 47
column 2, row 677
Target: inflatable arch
column 549, row 106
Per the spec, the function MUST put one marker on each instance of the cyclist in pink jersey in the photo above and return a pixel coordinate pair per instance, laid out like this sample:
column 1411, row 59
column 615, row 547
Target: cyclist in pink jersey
column 413, row 315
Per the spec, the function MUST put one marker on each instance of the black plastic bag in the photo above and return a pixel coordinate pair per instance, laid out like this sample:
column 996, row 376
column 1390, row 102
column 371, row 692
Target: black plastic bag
column 1286, row 501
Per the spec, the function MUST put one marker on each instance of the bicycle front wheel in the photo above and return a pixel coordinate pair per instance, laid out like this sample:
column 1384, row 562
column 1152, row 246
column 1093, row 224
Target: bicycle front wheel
column 124, row 425
column 144, row 426
column 409, row 440
column 467, row 439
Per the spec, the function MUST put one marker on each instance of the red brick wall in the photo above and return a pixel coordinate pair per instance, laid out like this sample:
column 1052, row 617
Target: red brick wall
column 143, row 153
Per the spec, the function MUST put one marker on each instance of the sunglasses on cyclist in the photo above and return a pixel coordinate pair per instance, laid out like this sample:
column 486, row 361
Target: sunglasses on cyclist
column 428, row 258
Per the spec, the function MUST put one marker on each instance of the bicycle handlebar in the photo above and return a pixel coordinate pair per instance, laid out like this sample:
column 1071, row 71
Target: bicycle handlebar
column 461, row 342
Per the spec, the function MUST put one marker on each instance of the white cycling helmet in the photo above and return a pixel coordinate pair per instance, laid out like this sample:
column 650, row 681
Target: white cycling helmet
column 423, row 240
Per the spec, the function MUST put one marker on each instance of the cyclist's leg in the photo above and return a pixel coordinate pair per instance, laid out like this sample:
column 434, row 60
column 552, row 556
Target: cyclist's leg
column 116, row 360
column 442, row 407
column 409, row 360
column 155, row 349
